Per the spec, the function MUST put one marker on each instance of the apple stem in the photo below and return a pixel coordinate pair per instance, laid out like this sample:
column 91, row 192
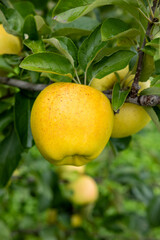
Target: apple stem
column 150, row 8
column 90, row 81
column 74, row 80
column 148, row 19
column 85, row 78
column 78, row 80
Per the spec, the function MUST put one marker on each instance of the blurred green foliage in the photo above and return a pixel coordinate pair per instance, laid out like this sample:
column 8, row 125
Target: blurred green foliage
column 34, row 206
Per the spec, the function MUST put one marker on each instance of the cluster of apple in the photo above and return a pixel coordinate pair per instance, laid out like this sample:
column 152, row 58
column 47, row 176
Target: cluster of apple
column 71, row 123
column 80, row 189
column 83, row 188
column 131, row 117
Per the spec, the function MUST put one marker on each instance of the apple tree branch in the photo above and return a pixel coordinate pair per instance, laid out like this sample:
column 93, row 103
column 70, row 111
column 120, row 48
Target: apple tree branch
column 135, row 85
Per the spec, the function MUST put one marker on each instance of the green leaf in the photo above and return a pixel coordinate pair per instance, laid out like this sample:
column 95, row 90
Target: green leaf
column 133, row 64
column 30, row 28
column 4, row 65
column 35, row 45
column 24, row 8
column 68, row 10
column 4, row 231
column 66, row 47
column 10, row 154
column 157, row 66
column 125, row 41
column 157, row 110
column 113, row 63
column 64, row 5
column 148, row 68
column 22, row 114
column 80, row 27
column 149, row 50
column 34, row 76
column 144, row 2
column 118, row 96
column 5, row 119
column 90, row 48
column 120, row 144
column 12, row 59
column 12, row 20
column 154, row 43
column 154, row 212
column 151, row 91
column 114, row 28
column 58, row 78
column 4, row 106
column 152, row 113
column 155, row 80
column 126, row 174
column 108, row 50
column 48, row 62
column 143, row 193
column 42, row 28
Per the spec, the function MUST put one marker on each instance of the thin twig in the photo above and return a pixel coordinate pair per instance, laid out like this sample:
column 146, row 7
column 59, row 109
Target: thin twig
column 143, row 100
column 155, row 3
column 150, row 100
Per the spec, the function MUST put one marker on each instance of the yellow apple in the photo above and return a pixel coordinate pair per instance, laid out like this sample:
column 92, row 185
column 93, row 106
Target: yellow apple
column 67, row 172
column 108, row 81
column 130, row 119
column 71, row 123
column 70, row 168
column 143, row 85
column 84, row 190
column 9, row 44
column 76, row 220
